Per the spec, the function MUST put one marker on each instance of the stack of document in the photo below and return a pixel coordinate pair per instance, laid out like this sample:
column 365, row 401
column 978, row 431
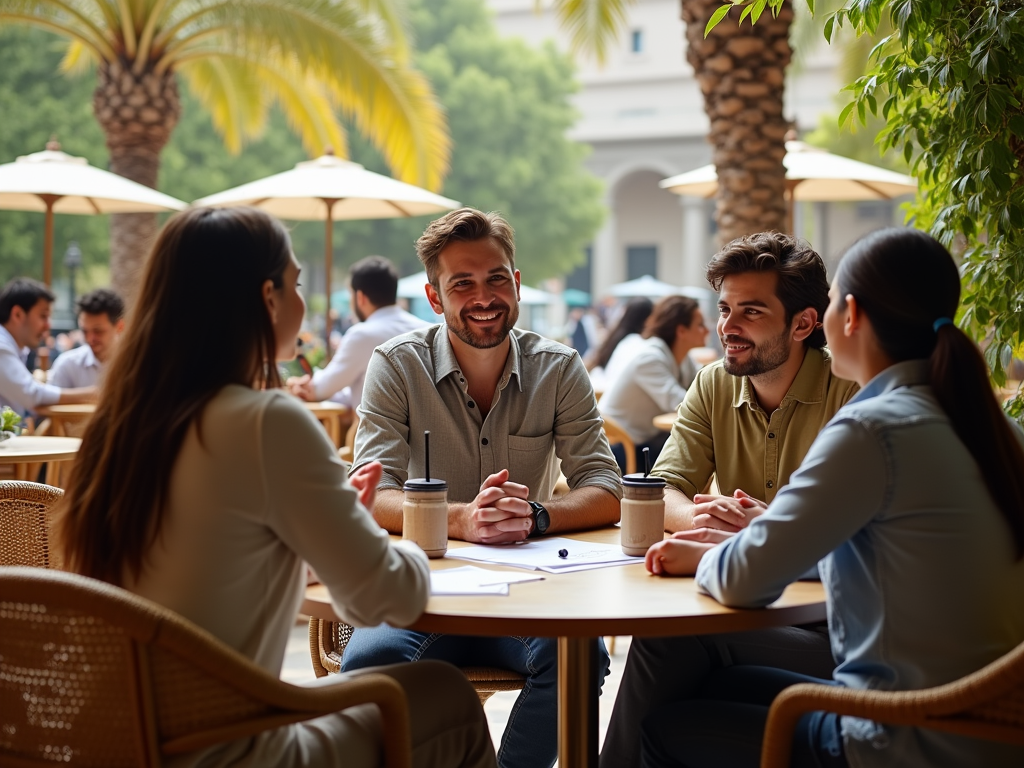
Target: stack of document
column 543, row 555
column 470, row 580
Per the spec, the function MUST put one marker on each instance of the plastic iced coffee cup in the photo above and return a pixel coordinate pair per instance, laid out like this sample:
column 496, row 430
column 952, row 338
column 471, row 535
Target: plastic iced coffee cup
column 642, row 513
column 425, row 515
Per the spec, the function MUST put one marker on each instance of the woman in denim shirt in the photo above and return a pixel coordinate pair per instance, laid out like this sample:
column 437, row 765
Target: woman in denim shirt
column 911, row 498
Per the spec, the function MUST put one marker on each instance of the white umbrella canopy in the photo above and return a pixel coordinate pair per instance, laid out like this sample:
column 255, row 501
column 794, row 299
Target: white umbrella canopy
column 647, row 286
column 411, row 287
column 813, row 175
column 53, row 181
column 329, row 188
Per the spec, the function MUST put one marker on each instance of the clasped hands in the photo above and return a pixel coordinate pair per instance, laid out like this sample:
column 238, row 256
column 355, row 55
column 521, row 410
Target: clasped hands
column 715, row 519
column 500, row 513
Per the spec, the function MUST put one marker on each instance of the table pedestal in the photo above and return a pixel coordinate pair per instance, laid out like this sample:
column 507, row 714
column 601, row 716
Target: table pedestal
column 577, row 702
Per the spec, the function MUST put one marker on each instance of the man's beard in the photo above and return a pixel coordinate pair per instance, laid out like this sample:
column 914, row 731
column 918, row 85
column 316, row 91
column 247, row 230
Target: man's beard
column 763, row 358
column 486, row 339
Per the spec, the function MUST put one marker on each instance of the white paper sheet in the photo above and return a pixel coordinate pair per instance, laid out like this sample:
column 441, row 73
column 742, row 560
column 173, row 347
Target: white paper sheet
column 470, row 580
column 542, row 555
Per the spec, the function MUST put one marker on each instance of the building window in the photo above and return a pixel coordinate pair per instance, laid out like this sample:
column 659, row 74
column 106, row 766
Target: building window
column 580, row 278
column 637, row 41
column 641, row 260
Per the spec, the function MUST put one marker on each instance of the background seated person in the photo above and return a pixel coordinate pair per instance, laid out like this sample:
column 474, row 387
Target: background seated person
column 657, row 376
column 101, row 320
column 911, row 498
column 624, row 338
column 748, row 419
column 501, row 405
column 25, row 306
column 202, row 487
column 373, row 284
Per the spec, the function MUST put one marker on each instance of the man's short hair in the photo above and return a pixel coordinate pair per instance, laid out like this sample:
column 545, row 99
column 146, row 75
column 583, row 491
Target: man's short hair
column 463, row 225
column 102, row 301
column 803, row 281
column 377, row 278
column 22, row 292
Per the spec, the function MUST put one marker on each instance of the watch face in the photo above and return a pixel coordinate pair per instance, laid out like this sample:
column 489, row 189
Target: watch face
column 541, row 518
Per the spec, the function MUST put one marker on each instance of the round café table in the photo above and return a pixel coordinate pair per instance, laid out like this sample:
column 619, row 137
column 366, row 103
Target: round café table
column 67, row 420
column 332, row 416
column 580, row 607
column 664, row 421
column 26, row 452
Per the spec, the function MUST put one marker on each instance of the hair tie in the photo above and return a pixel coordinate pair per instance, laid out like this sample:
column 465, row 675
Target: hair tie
column 941, row 322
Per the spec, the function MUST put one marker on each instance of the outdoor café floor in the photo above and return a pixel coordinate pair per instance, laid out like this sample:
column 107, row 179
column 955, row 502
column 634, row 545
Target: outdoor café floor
column 297, row 669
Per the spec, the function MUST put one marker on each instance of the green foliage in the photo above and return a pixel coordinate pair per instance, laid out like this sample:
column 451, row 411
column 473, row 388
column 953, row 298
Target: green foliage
column 508, row 109
column 9, row 420
column 948, row 80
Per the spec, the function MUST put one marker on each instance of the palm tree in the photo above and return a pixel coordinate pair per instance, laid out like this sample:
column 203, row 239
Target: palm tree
column 741, row 72
column 240, row 57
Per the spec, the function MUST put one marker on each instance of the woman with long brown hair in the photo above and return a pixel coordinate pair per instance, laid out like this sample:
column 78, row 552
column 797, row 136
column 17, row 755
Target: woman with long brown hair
column 911, row 504
column 200, row 485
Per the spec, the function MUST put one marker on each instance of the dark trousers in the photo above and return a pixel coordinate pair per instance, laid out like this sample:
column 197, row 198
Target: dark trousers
column 662, row 671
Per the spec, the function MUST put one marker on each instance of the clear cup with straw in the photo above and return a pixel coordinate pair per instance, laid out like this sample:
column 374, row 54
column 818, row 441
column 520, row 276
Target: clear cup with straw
column 425, row 510
column 642, row 511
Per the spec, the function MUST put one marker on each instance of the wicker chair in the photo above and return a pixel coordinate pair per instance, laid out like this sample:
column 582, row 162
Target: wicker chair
column 988, row 704
column 346, row 450
column 327, row 641
column 25, row 517
column 91, row 675
column 616, row 434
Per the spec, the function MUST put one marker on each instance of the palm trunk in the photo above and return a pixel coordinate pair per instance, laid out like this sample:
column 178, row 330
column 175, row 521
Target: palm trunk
column 137, row 114
column 741, row 71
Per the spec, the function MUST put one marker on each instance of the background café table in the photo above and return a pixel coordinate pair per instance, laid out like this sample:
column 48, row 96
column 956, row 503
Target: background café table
column 332, row 416
column 580, row 607
column 664, row 421
column 26, row 453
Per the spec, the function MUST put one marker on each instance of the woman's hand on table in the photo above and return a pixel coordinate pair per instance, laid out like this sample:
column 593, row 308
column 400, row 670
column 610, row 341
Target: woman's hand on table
column 365, row 480
column 677, row 556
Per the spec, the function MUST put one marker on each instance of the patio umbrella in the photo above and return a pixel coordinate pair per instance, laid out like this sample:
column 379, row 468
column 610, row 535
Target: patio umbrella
column 647, row 286
column 55, row 182
column 812, row 175
column 330, row 188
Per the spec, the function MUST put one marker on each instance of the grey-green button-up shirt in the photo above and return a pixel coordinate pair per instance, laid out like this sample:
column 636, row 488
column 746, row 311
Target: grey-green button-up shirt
column 543, row 411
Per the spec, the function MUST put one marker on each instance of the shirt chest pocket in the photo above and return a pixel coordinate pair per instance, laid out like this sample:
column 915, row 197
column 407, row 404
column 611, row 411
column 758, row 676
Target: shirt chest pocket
column 528, row 457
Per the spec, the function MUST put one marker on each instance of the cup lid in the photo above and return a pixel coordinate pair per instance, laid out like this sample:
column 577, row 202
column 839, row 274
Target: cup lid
column 422, row 484
column 637, row 479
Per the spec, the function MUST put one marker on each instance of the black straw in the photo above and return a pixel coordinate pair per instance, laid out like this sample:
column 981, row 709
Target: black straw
column 426, row 451
column 647, row 461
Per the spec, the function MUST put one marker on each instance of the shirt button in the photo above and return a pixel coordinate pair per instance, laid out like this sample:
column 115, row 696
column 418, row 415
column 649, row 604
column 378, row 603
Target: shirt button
column 771, row 435
column 471, row 404
column 484, row 441
column 770, row 484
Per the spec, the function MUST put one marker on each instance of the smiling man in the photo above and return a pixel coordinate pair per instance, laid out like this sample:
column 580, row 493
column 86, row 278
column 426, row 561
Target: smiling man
column 502, row 405
column 748, row 420
column 101, row 318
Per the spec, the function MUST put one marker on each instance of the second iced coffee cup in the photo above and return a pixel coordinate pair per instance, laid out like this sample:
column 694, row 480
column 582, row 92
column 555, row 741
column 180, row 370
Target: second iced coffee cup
column 425, row 515
column 642, row 513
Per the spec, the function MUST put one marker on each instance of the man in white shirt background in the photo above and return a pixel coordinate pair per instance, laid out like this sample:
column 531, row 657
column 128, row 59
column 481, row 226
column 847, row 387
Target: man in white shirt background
column 373, row 283
column 25, row 306
column 101, row 319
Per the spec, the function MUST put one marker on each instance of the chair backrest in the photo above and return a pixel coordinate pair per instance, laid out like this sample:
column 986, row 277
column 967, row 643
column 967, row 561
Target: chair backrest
column 616, row 434
column 346, row 452
column 91, row 675
column 26, row 512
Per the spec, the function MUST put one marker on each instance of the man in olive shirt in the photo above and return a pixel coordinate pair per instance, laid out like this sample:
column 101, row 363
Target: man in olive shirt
column 502, row 406
column 748, row 420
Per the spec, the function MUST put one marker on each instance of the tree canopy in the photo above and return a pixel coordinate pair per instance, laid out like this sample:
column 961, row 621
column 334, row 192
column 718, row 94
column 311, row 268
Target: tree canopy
column 948, row 80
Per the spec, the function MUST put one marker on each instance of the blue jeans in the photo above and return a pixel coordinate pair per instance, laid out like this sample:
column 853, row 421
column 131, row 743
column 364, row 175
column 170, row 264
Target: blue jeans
column 531, row 736
column 723, row 725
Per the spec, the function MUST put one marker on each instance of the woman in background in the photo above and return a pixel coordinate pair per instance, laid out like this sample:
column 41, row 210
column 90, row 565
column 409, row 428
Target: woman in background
column 911, row 498
column 658, row 375
column 624, row 337
column 203, row 487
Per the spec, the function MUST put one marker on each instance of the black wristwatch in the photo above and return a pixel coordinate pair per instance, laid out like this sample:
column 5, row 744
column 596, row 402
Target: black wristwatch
column 541, row 519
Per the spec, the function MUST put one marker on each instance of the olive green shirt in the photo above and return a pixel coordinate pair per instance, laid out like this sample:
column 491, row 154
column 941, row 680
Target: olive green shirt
column 721, row 430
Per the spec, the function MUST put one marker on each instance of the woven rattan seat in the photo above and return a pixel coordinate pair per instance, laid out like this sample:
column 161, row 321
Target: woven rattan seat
column 25, row 517
column 327, row 641
column 91, row 675
column 988, row 704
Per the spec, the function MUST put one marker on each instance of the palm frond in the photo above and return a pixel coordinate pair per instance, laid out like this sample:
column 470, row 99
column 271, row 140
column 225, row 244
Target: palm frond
column 231, row 91
column 592, row 25
column 82, row 20
column 78, row 58
column 350, row 55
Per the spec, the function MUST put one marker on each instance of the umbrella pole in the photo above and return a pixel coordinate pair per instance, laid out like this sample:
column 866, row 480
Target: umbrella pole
column 328, row 265
column 48, row 237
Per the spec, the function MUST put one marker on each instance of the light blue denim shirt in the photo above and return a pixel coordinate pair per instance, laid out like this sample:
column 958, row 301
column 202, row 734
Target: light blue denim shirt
column 916, row 560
